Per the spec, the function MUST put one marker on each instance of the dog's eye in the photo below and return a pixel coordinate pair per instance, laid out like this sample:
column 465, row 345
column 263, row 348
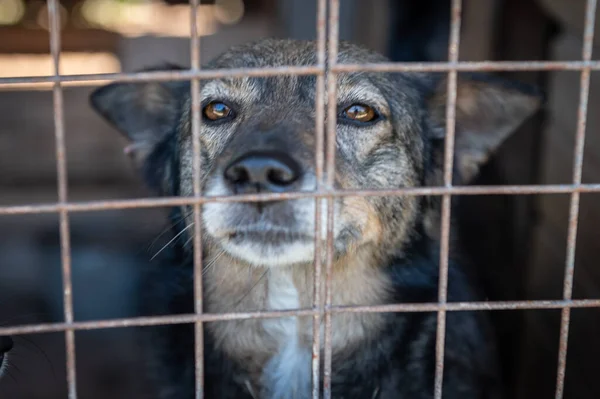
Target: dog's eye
column 216, row 110
column 360, row 113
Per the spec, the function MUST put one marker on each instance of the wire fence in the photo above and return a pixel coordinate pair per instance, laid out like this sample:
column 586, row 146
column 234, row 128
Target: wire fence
column 322, row 309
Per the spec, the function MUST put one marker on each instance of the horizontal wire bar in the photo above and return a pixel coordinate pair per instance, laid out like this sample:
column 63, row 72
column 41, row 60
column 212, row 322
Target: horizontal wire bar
column 147, row 76
column 150, row 76
column 466, row 66
column 209, row 317
column 416, row 191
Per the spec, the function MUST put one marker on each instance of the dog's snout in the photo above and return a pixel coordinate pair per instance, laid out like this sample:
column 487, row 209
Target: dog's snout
column 262, row 172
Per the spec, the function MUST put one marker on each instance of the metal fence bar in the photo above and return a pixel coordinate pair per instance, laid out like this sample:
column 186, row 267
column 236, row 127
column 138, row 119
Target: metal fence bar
column 588, row 37
column 416, row 191
column 169, row 75
column 210, row 317
column 467, row 66
column 62, row 182
column 453, row 51
column 331, row 77
column 197, row 207
column 319, row 163
column 464, row 66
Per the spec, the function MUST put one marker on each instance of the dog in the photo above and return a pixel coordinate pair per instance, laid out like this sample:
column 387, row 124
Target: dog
column 258, row 136
column 6, row 345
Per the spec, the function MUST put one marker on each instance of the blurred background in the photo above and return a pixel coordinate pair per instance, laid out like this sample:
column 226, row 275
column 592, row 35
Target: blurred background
column 518, row 243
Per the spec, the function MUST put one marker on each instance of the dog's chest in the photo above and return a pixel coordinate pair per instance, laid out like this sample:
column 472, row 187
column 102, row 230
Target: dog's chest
column 281, row 294
column 276, row 353
column 288, row 373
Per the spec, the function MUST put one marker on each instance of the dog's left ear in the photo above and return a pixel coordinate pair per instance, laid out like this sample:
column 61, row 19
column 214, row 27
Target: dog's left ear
column 145, row 112
column 488, row 110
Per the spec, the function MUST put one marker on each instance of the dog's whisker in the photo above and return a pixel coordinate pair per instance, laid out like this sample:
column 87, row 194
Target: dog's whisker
column 187, row 242
column 212, row 262
column 172, row 240
column 9, row 374
column 40, row 350
column 262, row 276
column 165, row 231
column 14, row 366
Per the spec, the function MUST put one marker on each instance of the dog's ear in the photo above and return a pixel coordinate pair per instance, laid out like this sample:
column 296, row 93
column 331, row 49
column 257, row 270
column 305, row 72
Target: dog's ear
column 488, row 110
column 145, row 113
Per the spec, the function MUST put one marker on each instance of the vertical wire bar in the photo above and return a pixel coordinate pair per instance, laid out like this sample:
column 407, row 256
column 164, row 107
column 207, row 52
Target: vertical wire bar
column 590, row 15
column 453, row 51
column 62, row 181
column 331, row 77
column 195, row 104
column 319, row 161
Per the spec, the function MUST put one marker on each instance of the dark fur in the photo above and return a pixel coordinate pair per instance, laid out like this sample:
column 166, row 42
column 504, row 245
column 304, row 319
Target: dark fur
column 6, row 344
column 392, row 240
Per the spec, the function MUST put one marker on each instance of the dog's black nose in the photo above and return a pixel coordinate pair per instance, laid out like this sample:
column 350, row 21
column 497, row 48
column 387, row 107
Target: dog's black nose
column 262, row 172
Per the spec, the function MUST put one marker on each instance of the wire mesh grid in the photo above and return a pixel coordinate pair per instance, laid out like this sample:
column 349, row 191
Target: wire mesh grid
column 322, row 309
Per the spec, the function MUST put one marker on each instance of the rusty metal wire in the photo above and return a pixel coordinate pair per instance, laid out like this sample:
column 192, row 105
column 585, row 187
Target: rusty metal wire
column 472, row 66
column 584, row 91
column 322, row 309
column 331, row 76
column 197, row 207
column 323, row 193
column 62, row 181
column 270, row 314
column 451, row 95
column 319, row 163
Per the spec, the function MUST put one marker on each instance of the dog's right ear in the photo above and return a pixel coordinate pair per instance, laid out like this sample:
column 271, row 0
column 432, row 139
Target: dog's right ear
column 145, row 113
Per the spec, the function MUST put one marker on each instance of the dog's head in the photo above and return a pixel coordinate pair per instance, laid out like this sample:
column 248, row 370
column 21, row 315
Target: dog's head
column 258, row 136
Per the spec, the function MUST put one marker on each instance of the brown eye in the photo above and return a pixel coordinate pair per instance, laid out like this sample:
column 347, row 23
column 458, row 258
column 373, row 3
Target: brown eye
column 216, row 110
column 360, row 113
